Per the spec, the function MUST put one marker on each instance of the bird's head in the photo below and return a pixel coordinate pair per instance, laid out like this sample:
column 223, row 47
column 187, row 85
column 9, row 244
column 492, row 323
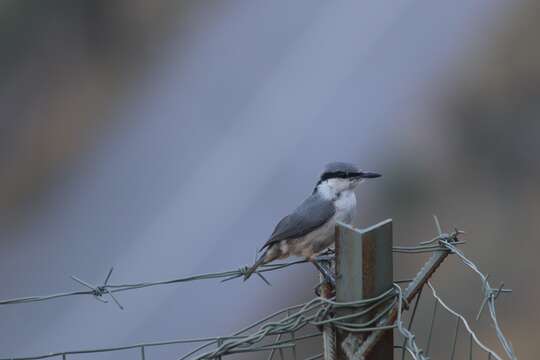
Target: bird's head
column 340, row 176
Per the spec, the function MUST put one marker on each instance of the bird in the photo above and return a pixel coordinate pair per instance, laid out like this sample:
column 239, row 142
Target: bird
column 309, row 229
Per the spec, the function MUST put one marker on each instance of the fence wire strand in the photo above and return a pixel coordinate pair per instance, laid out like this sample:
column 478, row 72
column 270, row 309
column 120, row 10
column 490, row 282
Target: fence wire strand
column 106, row 289
column 100, row 291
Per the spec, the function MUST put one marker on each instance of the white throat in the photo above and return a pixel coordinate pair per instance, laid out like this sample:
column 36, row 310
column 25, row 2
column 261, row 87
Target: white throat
column 332, row 189
column 341, row 192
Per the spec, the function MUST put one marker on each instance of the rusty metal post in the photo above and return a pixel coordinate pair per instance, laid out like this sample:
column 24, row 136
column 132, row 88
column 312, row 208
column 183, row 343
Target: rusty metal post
column 329, row 335
column 364, row 269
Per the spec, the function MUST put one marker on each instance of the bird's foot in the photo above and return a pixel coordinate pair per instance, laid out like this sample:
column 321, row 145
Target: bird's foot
column 325, row 272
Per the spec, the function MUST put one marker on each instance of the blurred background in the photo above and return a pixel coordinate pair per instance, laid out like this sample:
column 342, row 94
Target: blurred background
column 166, row 138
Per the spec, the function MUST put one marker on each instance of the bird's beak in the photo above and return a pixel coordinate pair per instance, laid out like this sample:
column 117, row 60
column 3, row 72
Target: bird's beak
column 368, row 175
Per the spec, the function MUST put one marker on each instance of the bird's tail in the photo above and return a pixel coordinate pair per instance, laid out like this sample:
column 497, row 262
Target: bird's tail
column 260, row 261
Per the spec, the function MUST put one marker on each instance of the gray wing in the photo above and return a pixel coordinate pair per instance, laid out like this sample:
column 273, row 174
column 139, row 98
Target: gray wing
column 311, row 214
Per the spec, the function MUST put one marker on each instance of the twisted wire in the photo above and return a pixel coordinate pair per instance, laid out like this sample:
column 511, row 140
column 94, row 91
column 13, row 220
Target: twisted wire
column 314, row 312
column 98, row 292
column 410, row 339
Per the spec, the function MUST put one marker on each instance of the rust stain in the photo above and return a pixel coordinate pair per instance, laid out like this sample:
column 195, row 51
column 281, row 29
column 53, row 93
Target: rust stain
column 368, row 267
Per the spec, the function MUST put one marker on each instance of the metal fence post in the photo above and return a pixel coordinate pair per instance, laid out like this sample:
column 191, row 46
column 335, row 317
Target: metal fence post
column 364, row 269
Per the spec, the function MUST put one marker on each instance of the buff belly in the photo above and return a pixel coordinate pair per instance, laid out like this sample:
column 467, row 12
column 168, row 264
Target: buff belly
column 311, row 244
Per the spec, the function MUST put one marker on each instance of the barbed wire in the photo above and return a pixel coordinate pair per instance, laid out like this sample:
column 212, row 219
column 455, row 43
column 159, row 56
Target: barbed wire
column 490, row 295
column 319, row 312
column 446, row 242
column 106, row 289
column 410, row 345
column 99, row 291
column 461, row 319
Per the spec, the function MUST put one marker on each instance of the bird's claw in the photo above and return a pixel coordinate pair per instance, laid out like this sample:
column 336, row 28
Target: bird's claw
column 329, row 251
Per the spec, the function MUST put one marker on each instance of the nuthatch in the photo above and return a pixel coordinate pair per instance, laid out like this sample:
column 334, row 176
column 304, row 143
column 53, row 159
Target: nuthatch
column 309, row 229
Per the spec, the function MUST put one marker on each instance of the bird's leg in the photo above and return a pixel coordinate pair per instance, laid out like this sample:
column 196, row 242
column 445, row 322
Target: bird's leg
column 326, row 272
column 327, row 257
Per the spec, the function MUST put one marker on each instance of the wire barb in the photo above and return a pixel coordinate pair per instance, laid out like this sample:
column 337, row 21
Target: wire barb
column 490, row 295
column 99, row 291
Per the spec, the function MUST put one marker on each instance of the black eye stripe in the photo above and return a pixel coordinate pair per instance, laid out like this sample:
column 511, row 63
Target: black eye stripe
column 334, row 175
column 338, row 174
